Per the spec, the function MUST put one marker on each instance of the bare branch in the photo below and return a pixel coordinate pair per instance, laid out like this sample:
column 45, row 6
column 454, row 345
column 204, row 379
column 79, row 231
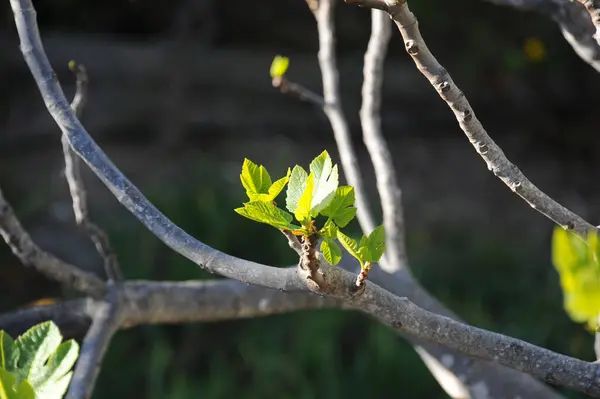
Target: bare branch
column 333, row 110
column 30, row 254
column 105, row 323
column 491, row 153
column 77, row 188
column 370, row 117
column 297, row 90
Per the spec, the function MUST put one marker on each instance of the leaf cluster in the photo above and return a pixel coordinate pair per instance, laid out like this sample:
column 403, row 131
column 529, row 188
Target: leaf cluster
column 310, row 195
column 577, row 261
column 36, row 365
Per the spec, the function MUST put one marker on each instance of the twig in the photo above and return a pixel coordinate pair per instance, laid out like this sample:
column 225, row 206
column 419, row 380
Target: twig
column 333, row 110
column 385, row 172
column 77, row 188
column 293, row 241
column 287, row 87
column 105, row 323
column 30, row 254
column 490, row 152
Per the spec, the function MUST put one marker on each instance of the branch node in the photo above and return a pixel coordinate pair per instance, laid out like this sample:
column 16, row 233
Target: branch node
column 411, row 47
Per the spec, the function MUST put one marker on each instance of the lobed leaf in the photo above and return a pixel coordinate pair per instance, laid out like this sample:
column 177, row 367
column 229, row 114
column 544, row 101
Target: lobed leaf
column 326, row 182
column 341, row 208
column 329, row 230
column 266, row 212
column 255, row 179
column 371, row 248
column 302, row 211
column 331, row 251
column 349, row 244
column 13, row 388
column 296, row 186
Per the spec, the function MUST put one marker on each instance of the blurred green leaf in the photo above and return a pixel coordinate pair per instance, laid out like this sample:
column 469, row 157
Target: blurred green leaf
column 11, row 388
column 279, row 66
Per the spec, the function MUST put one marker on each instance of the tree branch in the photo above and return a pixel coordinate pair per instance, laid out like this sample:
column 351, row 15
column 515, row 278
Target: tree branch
column 593, row 8
column 491, row 153
column 77, row 188
column 370, row 118
column 105, row 323
column 30, row 254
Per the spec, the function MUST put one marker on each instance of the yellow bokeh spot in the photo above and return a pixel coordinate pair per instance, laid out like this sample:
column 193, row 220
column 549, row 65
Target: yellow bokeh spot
column 534, row 49
column 279, row 66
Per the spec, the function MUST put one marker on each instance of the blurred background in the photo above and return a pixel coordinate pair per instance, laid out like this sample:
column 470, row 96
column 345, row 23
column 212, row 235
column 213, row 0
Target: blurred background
column 180, row 93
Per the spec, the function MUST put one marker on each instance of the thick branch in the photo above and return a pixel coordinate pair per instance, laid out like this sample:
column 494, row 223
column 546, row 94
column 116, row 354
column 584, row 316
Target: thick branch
column 593, row 8
column 77, row 188
column 30, row 254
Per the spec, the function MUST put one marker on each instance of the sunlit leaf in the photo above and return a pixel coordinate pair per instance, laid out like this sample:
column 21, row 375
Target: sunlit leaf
column 371, row 248
column 13, row 388
column 255, row 179
column 331, row 251
column 341, row 208
column 326, row 182
column 302, row 211
column 266, row 212
column 349, row 244
column 329, row 230
column 296, row 186
column 279, row 66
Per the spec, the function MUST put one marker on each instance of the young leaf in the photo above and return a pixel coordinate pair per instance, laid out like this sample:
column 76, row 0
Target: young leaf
column 372, row 248
column 329, row 230
column 9, row 353
column 255, row 179
column 279, row 66
column 43, row 361
column 350, row 244
column 10, row 388
column 278, row 186
column 326, row 182
column 302, row 211
column 331, row 251
column 296, row 186
column 341, row 208
column 266, row 212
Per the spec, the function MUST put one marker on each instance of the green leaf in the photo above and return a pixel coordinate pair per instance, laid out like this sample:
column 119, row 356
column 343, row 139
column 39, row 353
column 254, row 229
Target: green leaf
column 255, row 179
column 372, row 248
column 302, row 212
column 12, row 388
column 266, row 212
column 349, row 244
column 278, row 186
column 296, row 186
column 329, row 230
column 341, row 208
column 43, row 361
column 331, row 251
column 9, row 353
column 326, row 182
column 576, row 260
column 279, row 66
